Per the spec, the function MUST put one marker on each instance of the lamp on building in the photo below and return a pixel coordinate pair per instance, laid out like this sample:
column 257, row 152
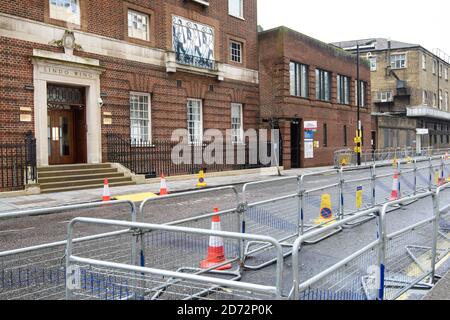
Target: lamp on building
column 100, row 102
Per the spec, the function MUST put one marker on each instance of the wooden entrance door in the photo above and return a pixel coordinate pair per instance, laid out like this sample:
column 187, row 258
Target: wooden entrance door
column 61, row 137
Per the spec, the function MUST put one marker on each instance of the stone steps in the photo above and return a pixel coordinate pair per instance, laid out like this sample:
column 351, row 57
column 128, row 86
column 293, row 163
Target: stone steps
column 80, row 177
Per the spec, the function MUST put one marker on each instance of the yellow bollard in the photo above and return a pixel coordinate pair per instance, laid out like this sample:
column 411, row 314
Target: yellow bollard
column 201, row 180
column 326, row 211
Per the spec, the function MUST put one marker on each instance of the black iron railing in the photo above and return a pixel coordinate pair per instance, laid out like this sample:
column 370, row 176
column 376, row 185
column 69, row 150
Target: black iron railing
column 18, row 163
column 156, row 158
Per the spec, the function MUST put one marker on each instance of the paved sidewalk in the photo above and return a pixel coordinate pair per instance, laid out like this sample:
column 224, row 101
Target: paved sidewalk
column 23, row 202
column 441, row 291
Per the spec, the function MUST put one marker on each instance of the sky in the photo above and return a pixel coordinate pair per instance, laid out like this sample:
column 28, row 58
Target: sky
column 424, row 22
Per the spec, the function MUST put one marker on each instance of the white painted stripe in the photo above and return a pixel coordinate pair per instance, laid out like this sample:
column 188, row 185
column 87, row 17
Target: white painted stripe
column 17, row 230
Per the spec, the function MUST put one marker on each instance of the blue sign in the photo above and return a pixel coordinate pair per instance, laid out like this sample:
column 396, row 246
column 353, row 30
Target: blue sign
column 309, row 135
column 326, row 213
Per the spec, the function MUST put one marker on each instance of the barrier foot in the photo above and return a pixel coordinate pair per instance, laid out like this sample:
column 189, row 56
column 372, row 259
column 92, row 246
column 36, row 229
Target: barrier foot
column 359, row 222
column 330, row 234
column 266, row 247
column 157, row 292
column 404, row 204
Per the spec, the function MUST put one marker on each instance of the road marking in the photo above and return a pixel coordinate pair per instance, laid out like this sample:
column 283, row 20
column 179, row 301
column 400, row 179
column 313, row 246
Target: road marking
column 17, row 230
column 67, row 221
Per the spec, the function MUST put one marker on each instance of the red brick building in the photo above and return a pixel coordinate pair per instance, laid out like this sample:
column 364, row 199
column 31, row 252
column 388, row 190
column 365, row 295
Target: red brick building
column 305, row 81
column 75, row 70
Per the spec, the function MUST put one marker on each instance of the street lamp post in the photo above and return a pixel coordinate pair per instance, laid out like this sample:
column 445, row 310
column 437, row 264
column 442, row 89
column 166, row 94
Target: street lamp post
column 358, row 139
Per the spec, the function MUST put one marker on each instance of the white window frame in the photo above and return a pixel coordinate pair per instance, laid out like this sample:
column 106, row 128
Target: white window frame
column 441, row 99
column 56, row 12
column 149, row 112
column 446, row 73
column 200, row 138
column 394, row 61
column 363, row 88
column 346, row 81
column 440, row 67
column 434, row 66
column 241, row 2
column 298, row 80
column 385, row 96
column 446, row 100
column 323, row 85
column 237, row 137
column 134, row 35
column 424, row 97
column 373, row 63
column 241, row 50
column 424, row 61
column 363, row 93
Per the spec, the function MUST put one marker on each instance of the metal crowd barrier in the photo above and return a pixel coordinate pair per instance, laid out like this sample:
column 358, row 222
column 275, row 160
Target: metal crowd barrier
column 38, row 272
column 385, row 268
column 289, row 214
column 193, row 216
column 369, row 158
column 102, row 279
column 337, row 282
column 283, row 209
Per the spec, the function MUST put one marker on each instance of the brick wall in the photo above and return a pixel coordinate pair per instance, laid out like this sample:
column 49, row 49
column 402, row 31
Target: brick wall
column 168, row 101
column 169, row 91
column 108, row 18
column 280, row 46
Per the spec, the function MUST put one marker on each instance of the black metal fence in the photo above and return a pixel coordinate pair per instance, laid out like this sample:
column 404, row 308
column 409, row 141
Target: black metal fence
column 18, row 163
column 156, row 158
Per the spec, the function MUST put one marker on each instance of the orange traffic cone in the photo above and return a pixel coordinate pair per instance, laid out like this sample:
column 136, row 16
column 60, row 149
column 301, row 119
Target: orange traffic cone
column 163, row 191
column 216, row 249
column 395, row 193
column 106, row 192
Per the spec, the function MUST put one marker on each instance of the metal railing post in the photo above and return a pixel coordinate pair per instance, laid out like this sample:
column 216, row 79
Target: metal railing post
column 382, row 250
column 301, row 202
column 430, row 162
column 415, row 175
column 373, row 179
column 341, row 193
column 437, row 215
column 242, row 210
column 69, row 249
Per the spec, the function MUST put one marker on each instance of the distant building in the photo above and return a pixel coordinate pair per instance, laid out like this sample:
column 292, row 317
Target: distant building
column 307, row 82
column 410, row 90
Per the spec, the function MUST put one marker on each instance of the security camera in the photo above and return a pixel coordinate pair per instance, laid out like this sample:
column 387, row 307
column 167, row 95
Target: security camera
column 100, row 102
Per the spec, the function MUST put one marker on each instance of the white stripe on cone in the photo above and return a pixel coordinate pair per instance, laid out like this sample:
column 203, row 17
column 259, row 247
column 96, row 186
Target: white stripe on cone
column 394, row 193
column 216, row 242
column 106, row 191
column 163, row 190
